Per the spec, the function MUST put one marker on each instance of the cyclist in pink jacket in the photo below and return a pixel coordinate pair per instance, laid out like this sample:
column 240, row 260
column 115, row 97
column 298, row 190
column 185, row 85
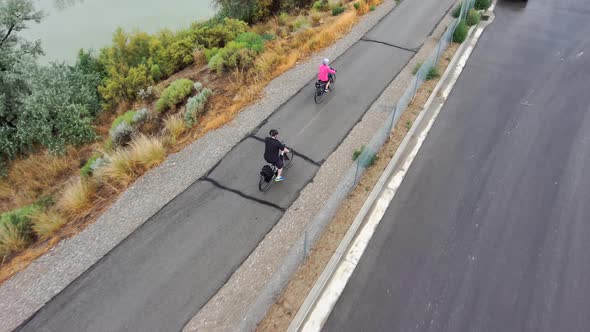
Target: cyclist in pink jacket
column 324, row 74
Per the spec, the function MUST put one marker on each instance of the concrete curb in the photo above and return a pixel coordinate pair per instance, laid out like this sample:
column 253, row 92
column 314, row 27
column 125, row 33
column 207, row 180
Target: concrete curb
column 422, row 123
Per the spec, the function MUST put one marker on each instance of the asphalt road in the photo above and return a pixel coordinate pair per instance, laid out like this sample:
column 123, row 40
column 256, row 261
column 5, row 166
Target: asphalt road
column 160, row 276
column 490, row 229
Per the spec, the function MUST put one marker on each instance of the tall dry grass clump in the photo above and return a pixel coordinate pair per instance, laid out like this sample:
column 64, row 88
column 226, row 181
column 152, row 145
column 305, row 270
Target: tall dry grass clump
column 46, row 223
column 12, row 239
column 119, row 169
column 362, row 7
column 147, row 152
column 175, row 126
column 38, row 171
column 126, row 164
column 30, row 178
column 77, row 196
column 7, row 192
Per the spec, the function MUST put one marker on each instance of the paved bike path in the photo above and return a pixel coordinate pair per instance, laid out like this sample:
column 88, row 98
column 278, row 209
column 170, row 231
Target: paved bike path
column 161, row 275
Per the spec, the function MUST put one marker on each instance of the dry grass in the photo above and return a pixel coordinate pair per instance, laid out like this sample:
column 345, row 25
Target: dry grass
column 147, row 152
column 35, row 176
column 7, row 192
column 77, row 197
column 12, row 239
column 199, row 57
column 363, row 7
column 126, row 164
column 329, row 33
column 120, row 169
column 175, row 126
column 46, row 223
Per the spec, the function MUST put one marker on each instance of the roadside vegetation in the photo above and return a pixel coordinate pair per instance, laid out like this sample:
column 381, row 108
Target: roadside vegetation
column 74, row 136
column 471, row 18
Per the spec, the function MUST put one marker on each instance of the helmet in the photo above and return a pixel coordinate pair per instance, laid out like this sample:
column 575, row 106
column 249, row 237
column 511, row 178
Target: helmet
column 326, row 61
column 273, row 132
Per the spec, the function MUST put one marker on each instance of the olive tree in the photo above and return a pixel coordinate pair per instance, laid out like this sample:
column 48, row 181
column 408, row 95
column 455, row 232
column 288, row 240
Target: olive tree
column 40, row 106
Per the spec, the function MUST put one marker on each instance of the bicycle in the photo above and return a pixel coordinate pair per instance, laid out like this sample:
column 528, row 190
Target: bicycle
column 320, row 88
column 266, row 179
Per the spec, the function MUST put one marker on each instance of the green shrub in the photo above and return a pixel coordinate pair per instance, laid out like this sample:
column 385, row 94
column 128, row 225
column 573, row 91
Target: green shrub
column 320, row 5
column 457, row 11
column 357, row 5
column 195, row 107
column 220, row 33
column 174, row 94
column 121, row 134
column 252, row 40
column 20, row 217
column 460, row 32
column 283, row 18
column 408, row 125
column 372, row 8
column 337, row 10
column 239, row 54
column 140, row 116
column 198, row 86
column 416, row 68
column 48, row 106
column 482, row 4
column 16, row 229
column 127, row 117
column 137, row 60
column 432, row 73
column 357, row 153
column 268, row 36
column 367, row 158
column 473, row 17
column 209, row 53
column 122, row 127
column 57, row 112
column 156, row 73
column 86, row 170
column 301, row 22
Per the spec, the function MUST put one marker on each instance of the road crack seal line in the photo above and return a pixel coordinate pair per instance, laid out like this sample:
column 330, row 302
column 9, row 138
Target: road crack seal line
column 415, row 50
column 241, row 194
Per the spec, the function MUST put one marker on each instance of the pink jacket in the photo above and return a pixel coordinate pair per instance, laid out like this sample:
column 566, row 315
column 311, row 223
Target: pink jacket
column 324, row 71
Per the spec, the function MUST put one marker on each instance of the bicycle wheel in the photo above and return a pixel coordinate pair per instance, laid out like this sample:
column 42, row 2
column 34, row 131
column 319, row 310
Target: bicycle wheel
column 332, row 81
column 287, row 161
column 317, row 97
column 263, row 185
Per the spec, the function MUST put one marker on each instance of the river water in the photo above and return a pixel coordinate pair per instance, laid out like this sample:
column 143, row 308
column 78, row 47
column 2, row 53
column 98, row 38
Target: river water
column 69, row 25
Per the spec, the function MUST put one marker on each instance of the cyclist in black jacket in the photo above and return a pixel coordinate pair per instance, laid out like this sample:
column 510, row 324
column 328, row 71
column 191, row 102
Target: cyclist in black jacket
column 274, row 152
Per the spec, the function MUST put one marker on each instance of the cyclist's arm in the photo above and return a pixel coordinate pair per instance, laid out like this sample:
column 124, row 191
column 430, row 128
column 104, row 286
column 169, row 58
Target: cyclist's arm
column 283, row 148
